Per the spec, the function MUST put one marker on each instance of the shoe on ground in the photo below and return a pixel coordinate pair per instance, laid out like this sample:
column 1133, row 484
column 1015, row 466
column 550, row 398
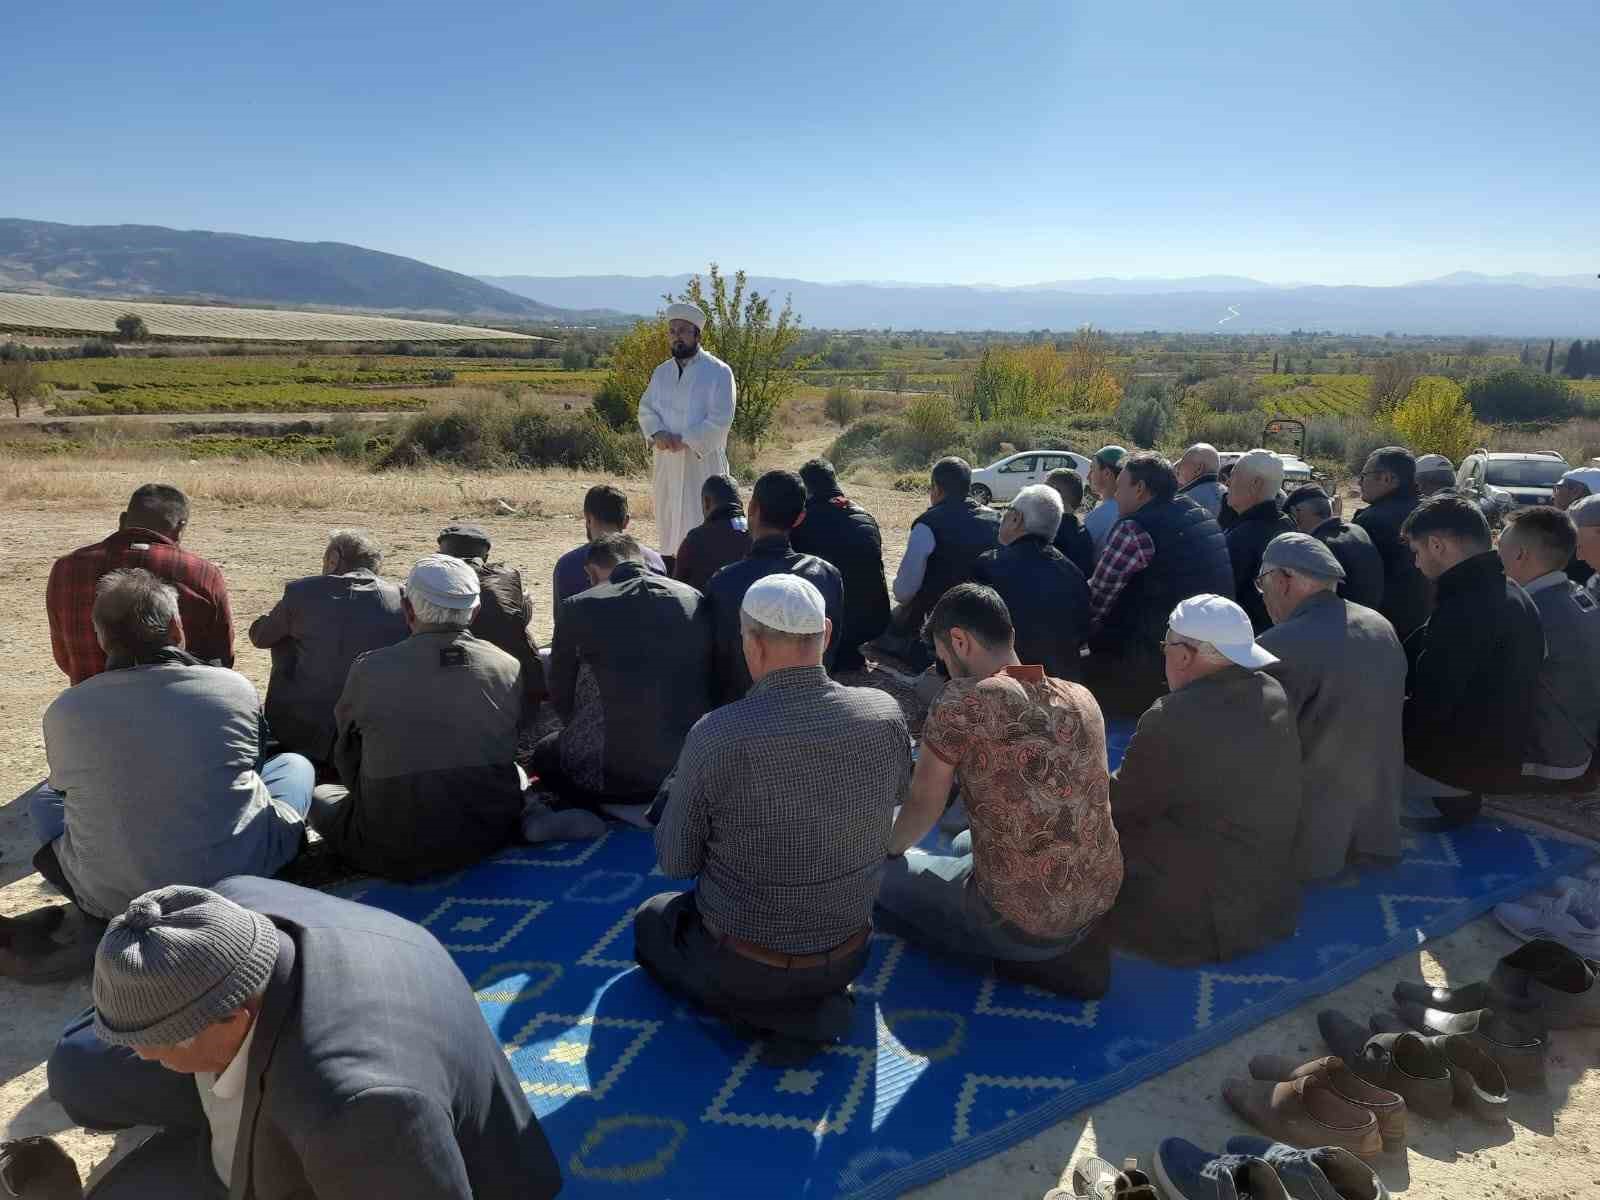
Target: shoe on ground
column 1096, row 1179
column 37, row 1168
column 65, row 952
column 1516, row 1046
column 1570, row 918
column 1551, row 979
column 1479, row 1084
column 1185, row 1172
column 1082, row 973
column 1323, row 1173
column 1387, row 1106
column 1401, row 1062
column 1305, row 1112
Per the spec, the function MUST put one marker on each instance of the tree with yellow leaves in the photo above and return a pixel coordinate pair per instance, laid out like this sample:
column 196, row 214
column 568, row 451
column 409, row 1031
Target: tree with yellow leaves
column 1435, row 418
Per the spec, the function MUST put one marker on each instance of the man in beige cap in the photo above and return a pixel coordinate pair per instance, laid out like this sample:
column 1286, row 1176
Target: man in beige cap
column 779, row 810
column 686, row 414
column 288, row 1043
column 1208, row 841
column 427, row 739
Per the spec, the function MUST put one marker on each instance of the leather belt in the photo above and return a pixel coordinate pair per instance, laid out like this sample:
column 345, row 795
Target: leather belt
column 792, row 962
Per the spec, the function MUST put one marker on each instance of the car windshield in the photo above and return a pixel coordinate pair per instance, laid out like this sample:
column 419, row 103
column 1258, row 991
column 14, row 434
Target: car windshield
column 1526, row 472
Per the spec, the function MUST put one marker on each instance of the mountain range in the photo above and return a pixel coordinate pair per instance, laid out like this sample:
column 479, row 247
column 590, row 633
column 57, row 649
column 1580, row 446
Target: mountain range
column 1460, row 304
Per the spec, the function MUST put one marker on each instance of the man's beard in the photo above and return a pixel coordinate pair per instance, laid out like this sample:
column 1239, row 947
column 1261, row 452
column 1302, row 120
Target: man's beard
column 682, row 349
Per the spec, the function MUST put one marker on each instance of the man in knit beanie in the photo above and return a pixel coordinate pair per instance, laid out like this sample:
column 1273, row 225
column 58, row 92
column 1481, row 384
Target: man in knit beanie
column 384, row 1079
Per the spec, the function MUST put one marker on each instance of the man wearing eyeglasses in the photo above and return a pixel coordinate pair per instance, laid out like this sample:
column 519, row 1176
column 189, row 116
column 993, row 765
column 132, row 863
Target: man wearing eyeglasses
column 1389, row 487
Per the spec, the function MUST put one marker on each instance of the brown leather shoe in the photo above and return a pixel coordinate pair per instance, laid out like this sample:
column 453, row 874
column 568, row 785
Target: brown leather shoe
column 1389, row 1107
column 1306, row 1112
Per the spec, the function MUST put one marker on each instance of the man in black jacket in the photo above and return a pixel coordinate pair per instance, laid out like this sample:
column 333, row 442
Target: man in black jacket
column 840, row 531
column 504, row 608
column 722, row 538
column 777, row 505
column 1472, row 685
column 1253, row 497
column 1046, row 595
column 288, row 1044
column 1389, row 486
column 1072, row 539
column 630, row 674
column 1312, row 512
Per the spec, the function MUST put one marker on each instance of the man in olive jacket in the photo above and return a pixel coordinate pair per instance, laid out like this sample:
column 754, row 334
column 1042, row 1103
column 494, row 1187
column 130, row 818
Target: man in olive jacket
column 290, row 1045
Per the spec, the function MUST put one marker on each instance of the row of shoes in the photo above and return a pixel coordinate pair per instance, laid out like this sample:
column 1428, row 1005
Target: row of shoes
column 1251, row 1168
column 1570, row 915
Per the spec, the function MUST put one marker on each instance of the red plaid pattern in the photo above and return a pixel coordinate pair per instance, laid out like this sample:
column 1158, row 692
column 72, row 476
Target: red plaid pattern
column 69, row 599
column 1128, row 551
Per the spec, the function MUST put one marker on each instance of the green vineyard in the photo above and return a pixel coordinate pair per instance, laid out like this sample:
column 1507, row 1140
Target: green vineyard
column 1306, row 396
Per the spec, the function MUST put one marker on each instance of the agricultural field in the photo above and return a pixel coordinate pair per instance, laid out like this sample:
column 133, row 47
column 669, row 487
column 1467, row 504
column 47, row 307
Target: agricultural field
column 1306, row 396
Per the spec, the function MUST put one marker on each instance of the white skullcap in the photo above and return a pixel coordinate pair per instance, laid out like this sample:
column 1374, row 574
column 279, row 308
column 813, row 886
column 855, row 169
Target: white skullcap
column 1220, row 623
column 786, row 603
column 686, row 312
column 1588, row 477
column 443, row 580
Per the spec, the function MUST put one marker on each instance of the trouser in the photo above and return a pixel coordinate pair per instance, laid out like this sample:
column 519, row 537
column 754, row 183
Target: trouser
column 1124, row 685
column 546, row 764
column 934, row 898
column 903, row 638
column 809, row 1004
column 1427, row 805
column 107, row 1087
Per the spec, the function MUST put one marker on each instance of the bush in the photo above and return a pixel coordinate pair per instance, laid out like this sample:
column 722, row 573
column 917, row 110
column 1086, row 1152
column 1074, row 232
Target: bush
column 492, row 431
column 841, row 405
column 442, row 376
column 1224, row 394
column 1364, row 438
column 612, row 405
column 98, row 348
column 1145, row 421
column 1224, row 430
column 915, row 484
column 931, row 423
column 573, row 359
column 131, row 328
column 1435, row 418
column 1520, row 395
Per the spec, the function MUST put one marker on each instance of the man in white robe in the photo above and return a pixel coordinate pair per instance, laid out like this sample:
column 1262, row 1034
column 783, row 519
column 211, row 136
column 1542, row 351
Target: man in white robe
column 685, row 414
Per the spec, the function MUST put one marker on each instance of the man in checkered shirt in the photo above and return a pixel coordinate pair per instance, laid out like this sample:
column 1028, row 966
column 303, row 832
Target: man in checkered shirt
column 780, row 809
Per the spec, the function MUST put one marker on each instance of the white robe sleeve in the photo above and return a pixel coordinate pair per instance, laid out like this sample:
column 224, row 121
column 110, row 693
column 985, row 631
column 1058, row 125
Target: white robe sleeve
column 710, row 433
column 651, row 421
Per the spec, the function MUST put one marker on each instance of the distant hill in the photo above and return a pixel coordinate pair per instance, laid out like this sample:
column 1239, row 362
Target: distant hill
column 145, row 261
column 1462, row 304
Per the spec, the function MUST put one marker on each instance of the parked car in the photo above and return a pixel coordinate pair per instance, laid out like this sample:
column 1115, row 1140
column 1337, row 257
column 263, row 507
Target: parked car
column 1506, row 479
column 1001, row 481
column 1295, row 470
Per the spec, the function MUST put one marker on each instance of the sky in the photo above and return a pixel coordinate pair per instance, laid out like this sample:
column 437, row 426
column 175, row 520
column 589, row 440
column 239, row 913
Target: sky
column 1002, row 143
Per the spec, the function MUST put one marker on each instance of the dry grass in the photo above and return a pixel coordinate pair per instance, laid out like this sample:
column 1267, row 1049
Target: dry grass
column 1578, row 440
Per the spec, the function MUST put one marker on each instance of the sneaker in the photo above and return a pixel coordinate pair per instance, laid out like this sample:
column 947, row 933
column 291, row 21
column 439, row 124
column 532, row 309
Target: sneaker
column 1324, row 1173
column 1569, row 919
column 1096, row 1179
column 1186, row 1172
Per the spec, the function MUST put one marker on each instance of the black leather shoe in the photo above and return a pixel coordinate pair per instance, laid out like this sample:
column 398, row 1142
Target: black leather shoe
column 1400, row 1062
column 36, row 1168
column 1478, row 1082
column 1516, row 1047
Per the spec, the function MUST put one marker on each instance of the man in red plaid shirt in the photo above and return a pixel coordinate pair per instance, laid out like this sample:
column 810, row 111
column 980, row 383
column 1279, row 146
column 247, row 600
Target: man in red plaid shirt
column 147, row 536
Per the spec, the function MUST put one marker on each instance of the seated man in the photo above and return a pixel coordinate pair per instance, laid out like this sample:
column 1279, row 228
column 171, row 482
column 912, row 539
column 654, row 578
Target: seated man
column 1435, row 473
column 1389, row 487
column 1198, row 474
column 157, row 764
column 838, row 530
column 1573, row 486
column 1535, row 548
column 630, row 674
column 1040, row 863
column 1312, row 512
column 777, row 505
column 1585, row 516
column 1163, row 550
column 289, row 1043
column 1045, row 595
column 1072, row 539
column 504, row 608
column 1105, row 470
column 1209, row 861
column 321, row 625
column 944, row 543
column 722, row 538
column 1253, row 499
column 427, row 740
column 1473, row 683
column 780, row 810
column 147, row 537
column 1345, row 675
column 605, row 510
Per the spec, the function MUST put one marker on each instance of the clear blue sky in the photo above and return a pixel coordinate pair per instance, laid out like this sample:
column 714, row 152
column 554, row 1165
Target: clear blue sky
column 996, row 142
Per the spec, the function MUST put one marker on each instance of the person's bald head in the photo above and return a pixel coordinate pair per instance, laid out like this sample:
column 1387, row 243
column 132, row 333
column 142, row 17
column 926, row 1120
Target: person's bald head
column 1257, row 476
column 1537, row 541
column 1198, row 460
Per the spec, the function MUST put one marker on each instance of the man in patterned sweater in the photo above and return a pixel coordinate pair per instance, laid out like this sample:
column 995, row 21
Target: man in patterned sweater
column 1041, row 862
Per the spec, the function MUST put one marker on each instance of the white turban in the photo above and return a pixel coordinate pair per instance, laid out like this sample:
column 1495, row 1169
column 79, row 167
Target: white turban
column 686, row 312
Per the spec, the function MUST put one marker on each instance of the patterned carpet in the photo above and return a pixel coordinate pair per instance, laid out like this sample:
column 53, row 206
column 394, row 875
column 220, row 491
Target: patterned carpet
column 644, row 1098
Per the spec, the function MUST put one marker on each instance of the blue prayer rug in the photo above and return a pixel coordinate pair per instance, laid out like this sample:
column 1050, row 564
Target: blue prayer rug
column 644, row 1097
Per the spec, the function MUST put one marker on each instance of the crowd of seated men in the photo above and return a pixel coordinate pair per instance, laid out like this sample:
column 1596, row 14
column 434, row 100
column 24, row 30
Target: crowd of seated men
column 1338, row 662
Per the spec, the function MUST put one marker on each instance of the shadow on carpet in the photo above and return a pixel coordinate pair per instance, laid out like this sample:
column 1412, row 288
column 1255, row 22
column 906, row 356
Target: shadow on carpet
column 643, row 1097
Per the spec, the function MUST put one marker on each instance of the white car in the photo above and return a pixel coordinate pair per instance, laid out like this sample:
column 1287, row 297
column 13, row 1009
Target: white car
column 1295, row 470
column 1001, row 481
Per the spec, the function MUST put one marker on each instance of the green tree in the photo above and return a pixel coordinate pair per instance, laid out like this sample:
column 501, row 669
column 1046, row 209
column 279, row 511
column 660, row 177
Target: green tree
column 634, row 358
column 131, row 328
column 1550, row 358
column 1274, row 362
column 1574, row 368
column 743, row 331
column 1517, row 395
column 21, row 381
column 1435, row 418
column 1526, row 357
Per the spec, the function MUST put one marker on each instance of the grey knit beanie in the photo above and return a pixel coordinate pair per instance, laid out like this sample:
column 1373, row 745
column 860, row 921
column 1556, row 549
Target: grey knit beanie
column 180, row 959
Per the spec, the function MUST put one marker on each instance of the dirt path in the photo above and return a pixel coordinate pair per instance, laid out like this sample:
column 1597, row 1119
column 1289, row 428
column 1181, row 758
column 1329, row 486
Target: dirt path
column 1545, row 1152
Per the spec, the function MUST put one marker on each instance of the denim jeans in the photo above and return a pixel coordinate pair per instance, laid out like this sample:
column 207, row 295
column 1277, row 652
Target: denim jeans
column 289, row 779
column 934, row 898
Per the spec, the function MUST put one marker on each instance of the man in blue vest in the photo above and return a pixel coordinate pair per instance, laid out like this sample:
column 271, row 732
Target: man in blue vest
column 1164, row 549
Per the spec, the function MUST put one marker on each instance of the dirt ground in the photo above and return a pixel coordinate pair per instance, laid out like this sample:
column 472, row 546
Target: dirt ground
column 1545, row 1151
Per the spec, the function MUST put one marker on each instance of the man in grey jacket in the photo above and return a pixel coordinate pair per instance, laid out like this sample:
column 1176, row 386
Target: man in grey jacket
column 1345, row 674
column 289, row 1045
column 1197, row 473
column 319, row 627
column 1536, row 547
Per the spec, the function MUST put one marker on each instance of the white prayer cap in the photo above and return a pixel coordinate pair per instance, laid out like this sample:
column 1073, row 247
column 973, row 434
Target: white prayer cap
column 1585, row 512
column 686, row 312
column 1220, row 623
column 786, row 603
column 1586, row 477
column 443, row 580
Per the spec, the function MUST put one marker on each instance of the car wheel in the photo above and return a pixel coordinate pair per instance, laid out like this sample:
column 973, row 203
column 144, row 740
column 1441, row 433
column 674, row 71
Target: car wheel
column 981, row 494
